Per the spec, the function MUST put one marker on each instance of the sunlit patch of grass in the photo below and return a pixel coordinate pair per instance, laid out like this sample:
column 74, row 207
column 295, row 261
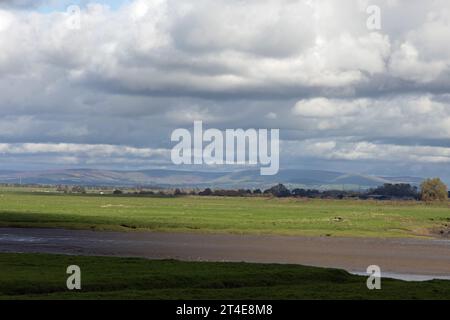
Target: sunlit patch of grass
column 257, row 215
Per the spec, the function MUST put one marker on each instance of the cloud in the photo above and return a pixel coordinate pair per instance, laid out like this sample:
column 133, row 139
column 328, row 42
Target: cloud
column 325, row 108
column 406, row 64
column 20, row 3
column 133, row 73
column 413, row 117
column 88, row 149
column 82, row 154
column 227, row 47
column 350, row 150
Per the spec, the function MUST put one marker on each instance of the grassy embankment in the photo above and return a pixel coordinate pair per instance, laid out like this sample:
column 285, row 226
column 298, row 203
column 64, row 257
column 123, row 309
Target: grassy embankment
column 35, row 276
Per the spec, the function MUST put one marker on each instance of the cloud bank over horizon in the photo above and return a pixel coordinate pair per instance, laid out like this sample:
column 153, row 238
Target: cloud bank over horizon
column 109, row 93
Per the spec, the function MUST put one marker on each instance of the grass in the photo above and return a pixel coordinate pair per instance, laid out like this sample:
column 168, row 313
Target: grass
column 223, row 215
column 39, row 276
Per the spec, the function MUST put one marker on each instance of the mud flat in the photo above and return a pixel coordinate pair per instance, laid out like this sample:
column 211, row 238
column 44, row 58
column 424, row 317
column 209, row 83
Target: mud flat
column 407, row 258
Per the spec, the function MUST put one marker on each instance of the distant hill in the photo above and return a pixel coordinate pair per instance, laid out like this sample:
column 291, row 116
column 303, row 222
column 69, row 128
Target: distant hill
column 176, row 178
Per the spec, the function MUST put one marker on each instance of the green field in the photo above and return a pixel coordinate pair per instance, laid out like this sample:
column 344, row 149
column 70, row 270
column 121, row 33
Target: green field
column 253, row 215
column 35, row 276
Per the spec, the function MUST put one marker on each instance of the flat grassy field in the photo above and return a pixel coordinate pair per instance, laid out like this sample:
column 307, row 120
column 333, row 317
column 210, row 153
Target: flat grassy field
column 38, row 276
column 223, row 215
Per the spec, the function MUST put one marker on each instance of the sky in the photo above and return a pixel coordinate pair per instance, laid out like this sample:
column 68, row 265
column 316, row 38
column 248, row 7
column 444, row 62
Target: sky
column 109, row 93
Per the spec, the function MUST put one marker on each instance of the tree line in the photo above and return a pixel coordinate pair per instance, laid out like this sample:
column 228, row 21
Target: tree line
column 430, row 190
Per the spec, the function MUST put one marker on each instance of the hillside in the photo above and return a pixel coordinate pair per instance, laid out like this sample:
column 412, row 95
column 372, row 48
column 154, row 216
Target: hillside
column 177, row 178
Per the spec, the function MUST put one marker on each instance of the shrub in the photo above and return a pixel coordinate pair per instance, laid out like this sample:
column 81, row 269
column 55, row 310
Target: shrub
column 433, row 190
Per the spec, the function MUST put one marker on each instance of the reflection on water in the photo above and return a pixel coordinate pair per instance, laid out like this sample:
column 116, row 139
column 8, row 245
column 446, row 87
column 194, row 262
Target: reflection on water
column 406, row 277
column 15, row 238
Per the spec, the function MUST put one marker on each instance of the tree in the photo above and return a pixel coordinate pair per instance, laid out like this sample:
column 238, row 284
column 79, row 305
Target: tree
column 178, row 192
column 396, row 190
column 257, row 191
column 64, row 189
column 278, row 191
column 206, row 192
column 78, row 189
column 433, row 190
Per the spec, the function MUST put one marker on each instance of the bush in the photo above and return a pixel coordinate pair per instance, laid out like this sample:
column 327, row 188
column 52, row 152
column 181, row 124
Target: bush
column 433, row 190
